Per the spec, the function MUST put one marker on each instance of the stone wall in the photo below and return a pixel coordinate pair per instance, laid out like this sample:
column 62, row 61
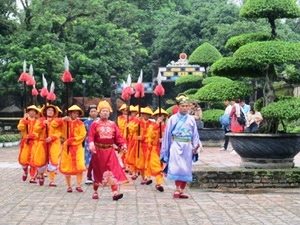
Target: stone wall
column 246, row 178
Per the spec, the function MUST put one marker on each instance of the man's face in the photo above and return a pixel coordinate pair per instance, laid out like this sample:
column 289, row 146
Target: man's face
column 104, row 113
column 32, row 113
column 184, row 108
column 50, row 112
column 124, row 112
column 74, row 114
column 145, row 116
column 93, row 113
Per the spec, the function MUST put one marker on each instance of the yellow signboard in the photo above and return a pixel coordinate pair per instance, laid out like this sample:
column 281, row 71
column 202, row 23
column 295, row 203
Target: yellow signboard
column 176, row 69
column 183, row 73
column 198, row 74
column 190, row 69
column 168, row 74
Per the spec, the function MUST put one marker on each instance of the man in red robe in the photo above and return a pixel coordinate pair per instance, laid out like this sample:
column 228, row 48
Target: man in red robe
column 103, row 135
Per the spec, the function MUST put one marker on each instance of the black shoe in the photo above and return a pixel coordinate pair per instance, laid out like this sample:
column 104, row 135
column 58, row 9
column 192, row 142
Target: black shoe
column 159, row 188
column 117, row 197
column 148, row 182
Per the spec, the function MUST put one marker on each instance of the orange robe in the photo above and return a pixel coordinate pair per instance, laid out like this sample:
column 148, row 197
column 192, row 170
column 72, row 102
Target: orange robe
column 122, row 124
column 29, row 138
column 72, row 155
column 134, row 158
column 154, row 166
column 146, row 143
column 48, row 152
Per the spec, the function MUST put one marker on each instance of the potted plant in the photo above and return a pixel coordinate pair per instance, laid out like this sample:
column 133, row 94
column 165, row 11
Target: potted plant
column 258, row 57
column 212, row 134
column 214, row 91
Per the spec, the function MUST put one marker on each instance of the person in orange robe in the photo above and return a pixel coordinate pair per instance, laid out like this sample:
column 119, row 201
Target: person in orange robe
column 154, row 165
column 46, row 156
column 28, row 142
column 134, row 160
column 122, row 121
column 72, row 156
column 145, row 143
column 103, row 135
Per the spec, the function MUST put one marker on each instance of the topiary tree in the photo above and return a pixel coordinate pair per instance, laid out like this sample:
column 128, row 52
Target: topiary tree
column 235, row 42
column 211, row 117
column 259, row 58
column 205, row 55
column 221, row 90
column 184, row 83
column 271, row 10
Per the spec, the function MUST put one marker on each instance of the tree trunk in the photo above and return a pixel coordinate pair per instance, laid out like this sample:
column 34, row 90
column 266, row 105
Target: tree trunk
column 268, row 91
column 273, row 27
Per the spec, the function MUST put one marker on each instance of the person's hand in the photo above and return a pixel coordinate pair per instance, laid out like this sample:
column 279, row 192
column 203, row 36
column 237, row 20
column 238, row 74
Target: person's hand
column 26, row 116
column 66, row 118
column 92, row 147
column 123, row 150
column 48, row 139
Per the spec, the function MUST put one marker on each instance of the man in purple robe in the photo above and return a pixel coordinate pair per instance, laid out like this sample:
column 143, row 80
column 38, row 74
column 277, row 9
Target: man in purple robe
column 180, row 141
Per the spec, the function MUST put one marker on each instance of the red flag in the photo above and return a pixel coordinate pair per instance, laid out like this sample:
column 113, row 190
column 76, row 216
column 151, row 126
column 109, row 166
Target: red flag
column 139, row 87
column 24, row 76
column 67, row 76
column 34, row 91
column 51, row 96
column 159, row 90
column 44, row 91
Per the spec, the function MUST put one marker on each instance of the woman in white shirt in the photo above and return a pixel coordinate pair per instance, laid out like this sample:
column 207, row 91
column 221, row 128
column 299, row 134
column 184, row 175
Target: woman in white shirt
column 254, row 118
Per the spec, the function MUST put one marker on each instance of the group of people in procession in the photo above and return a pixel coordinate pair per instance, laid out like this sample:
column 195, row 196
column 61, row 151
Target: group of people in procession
column 141, row 143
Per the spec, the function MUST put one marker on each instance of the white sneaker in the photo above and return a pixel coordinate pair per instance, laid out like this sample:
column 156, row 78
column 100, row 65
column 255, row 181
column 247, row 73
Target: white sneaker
column 223, row 149
column 88, row 182
column 233, row 152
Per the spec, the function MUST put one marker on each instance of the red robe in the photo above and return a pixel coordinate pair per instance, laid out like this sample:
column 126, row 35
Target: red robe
column 105, row 133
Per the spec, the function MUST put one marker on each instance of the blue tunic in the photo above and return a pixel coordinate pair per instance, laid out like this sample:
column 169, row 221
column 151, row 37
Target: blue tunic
column 87, row 153
column 180, row 138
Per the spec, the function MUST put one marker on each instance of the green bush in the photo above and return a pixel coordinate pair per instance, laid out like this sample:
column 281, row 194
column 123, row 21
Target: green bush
column 9, row 138
column 191, row 91
column 237, row 41
column 270, row 9
column 204, row 55
column 285, row 109
column 215, row 79
column 220, row 91
column 211, row 117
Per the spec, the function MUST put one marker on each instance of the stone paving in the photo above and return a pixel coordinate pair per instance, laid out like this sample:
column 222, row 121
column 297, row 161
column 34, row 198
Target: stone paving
column 29, row 204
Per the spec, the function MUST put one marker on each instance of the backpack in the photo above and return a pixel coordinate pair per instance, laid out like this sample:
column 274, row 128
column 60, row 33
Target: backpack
column 242, row 119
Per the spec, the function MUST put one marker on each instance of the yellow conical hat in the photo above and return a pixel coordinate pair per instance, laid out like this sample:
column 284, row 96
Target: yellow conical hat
column 104, row 105
column 44, row 109
column 133, row 108
column 34, row 108
column 75, row 108
column 58, row 109
column 124, row 106
column 147, row 110
column 162, row 111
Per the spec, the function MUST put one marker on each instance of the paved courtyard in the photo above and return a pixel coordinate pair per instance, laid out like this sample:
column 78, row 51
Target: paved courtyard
column 30, row 204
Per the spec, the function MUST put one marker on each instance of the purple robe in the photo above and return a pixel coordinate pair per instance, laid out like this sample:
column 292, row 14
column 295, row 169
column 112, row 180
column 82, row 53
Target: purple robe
column 180, row 138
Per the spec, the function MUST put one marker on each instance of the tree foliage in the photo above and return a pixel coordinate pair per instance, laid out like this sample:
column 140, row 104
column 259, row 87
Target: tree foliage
column 270, row 9
column 237, row 41
column 205, row 55
column 220, row 91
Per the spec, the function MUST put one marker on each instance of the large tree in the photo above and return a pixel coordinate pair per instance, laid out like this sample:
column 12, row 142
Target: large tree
column 259, row 58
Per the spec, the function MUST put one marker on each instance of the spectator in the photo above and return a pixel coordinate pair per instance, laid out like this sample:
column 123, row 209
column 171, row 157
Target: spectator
column 225, row 122
column 254, row 118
